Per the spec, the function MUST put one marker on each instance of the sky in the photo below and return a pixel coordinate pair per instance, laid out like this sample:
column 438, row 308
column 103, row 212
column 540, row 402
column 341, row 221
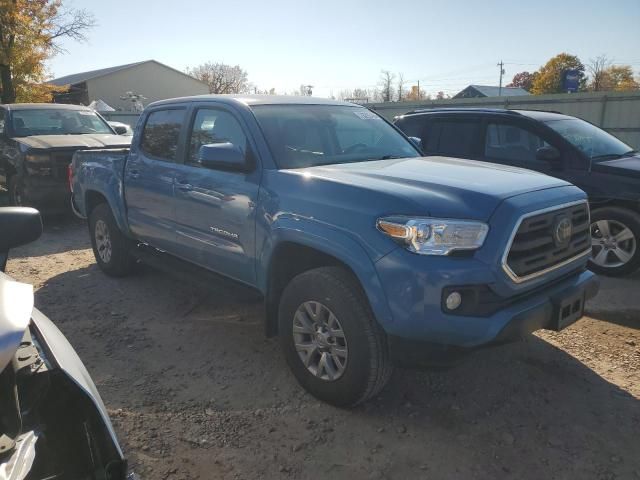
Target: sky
column 343, row 44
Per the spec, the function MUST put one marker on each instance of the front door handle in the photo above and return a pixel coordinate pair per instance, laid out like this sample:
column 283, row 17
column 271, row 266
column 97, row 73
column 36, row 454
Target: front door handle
column 184, row 186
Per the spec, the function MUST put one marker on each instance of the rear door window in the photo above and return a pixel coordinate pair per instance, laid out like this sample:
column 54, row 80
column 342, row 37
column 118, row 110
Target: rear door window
column 162, row 132
column 511, row 144
column 457, row 138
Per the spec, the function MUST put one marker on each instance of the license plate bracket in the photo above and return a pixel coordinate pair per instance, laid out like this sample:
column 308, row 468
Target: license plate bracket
column 567, row 310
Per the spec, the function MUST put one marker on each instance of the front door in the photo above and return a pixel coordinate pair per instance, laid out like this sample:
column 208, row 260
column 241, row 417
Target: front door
column 215, row 209
column 149, row 178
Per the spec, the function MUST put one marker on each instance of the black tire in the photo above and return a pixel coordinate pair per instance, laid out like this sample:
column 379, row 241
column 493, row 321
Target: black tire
column 616, row 217
column 16, row 191
column 120, row 262
column 367, row 368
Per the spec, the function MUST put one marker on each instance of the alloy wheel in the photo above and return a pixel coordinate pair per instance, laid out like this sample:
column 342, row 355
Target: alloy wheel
column 613, row 243
column 320, row 341
column 103, row 241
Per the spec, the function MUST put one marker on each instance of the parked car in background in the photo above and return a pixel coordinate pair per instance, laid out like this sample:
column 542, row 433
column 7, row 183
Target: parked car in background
column 121, row 128
column 53, row 423
column 37, row 142
column 366, row 254
column 606, row 168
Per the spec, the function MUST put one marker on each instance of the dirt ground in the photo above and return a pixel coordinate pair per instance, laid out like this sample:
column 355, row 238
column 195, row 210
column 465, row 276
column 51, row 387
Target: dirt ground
column 195, row 391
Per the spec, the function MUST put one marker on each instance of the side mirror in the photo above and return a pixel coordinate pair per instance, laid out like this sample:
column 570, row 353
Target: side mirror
column 18, row 226
column 417, row 142
column 120, row 130
column 548, row 154
column 225, row 156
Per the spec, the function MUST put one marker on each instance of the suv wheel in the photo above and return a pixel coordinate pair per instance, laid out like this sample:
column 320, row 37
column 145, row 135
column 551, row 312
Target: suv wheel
column 330, row 339
column 110, row 246
column 615, row 239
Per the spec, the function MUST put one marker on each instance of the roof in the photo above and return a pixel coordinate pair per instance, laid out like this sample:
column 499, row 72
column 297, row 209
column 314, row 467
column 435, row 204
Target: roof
column 44, row 106
column 84, row 76
column 540, row 115
column 490, row 91
column 258, row 100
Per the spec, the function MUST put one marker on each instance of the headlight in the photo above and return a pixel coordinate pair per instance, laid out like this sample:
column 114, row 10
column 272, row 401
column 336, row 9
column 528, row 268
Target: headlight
column 434, row 236
column 39, row 158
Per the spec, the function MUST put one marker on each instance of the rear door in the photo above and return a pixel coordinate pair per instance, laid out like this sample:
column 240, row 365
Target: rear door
column 215, row 208
column 150, row 175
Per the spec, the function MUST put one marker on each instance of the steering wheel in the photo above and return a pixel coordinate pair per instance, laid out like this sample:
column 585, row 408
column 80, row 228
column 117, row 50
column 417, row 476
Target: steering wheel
column 355, row 147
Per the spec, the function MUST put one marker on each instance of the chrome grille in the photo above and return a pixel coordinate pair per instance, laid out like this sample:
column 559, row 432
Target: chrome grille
column 543, row 241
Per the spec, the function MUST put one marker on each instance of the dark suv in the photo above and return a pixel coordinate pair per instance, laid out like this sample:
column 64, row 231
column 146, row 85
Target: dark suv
column 607, row 169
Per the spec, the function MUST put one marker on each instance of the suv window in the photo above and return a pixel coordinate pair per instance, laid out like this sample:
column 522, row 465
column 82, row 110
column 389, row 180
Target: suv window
column 214, row 126
column 510, row 142
column 161, row 133
column 457, row 137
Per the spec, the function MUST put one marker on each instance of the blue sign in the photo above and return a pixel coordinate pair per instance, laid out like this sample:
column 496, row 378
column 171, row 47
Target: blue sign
column 570, row 80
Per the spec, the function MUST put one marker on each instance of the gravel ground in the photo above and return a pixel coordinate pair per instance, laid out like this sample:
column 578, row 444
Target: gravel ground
column 195, row 391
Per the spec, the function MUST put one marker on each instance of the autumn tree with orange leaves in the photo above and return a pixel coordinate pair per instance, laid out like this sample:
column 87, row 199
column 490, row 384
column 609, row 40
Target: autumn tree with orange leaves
column 30, row 31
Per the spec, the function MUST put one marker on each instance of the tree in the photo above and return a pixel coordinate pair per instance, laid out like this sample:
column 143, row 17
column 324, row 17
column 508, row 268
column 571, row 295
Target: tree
column 221, row 78
column 386, row 85
column 597, row 68
column 441, row 96
column 549, row 78
column 414, row 95
column 620, row 79
column 30, row 31
column 401, row 88
column 523, row 80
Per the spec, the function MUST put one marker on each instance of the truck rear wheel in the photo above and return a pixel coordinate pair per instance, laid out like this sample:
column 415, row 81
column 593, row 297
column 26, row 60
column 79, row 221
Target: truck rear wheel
column 110, row 246
column 330, row 339
column 615, row 239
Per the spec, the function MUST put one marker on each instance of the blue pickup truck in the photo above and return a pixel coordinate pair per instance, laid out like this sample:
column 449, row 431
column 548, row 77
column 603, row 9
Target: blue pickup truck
column 367, row 254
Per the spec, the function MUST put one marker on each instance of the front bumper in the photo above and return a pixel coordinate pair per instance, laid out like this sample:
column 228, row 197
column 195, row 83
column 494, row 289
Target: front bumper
column 540, row 311
column 47, row 194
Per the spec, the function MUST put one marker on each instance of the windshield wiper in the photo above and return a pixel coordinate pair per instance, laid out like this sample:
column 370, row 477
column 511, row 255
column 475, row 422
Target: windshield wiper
column 630, row 153
column 613, row 156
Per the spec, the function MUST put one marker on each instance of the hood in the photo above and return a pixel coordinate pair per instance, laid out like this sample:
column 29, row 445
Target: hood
column 82, row 141
column 443, row 186
column 627, row 166
column 16, row 305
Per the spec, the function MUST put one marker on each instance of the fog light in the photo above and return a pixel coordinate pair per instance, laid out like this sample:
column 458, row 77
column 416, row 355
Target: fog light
column 453, row 301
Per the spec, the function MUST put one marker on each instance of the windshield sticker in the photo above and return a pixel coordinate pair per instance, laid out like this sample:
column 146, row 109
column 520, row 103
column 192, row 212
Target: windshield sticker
column 365, row 114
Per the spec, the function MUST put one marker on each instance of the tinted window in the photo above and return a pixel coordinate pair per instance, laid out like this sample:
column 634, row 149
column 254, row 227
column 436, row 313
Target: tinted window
column 161, row 133
column 420, row 127
column 456, row 137
column 309, row 135
column 214, row 126
column 591, row 140
column 509, row 142
column 1, row 120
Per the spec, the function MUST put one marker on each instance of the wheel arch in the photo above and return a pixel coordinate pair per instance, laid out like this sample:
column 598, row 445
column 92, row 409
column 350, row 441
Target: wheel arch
column 93, row 198
column 290, row 252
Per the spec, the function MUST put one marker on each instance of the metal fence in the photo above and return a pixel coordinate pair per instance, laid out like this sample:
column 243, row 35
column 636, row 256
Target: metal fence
column 616, row 112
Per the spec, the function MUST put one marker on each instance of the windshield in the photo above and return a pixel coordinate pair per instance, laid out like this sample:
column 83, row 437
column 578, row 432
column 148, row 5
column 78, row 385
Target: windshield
column 591, row 140
column 310, row 135
column 56, row 122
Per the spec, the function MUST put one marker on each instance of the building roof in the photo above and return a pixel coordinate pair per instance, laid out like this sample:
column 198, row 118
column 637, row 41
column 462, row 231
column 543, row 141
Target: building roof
column 84, row 76
column 259, row 100
column 490, row 91
column 76, row 78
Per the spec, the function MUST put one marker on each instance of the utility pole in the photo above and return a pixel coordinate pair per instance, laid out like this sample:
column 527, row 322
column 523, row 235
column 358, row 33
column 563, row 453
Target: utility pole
column 501, row 65
column 418, row 89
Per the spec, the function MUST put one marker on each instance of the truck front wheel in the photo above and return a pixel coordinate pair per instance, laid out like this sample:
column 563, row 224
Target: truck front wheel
column 330, row 339
column 615, row 239
column 110, row 246
column 15, row 188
